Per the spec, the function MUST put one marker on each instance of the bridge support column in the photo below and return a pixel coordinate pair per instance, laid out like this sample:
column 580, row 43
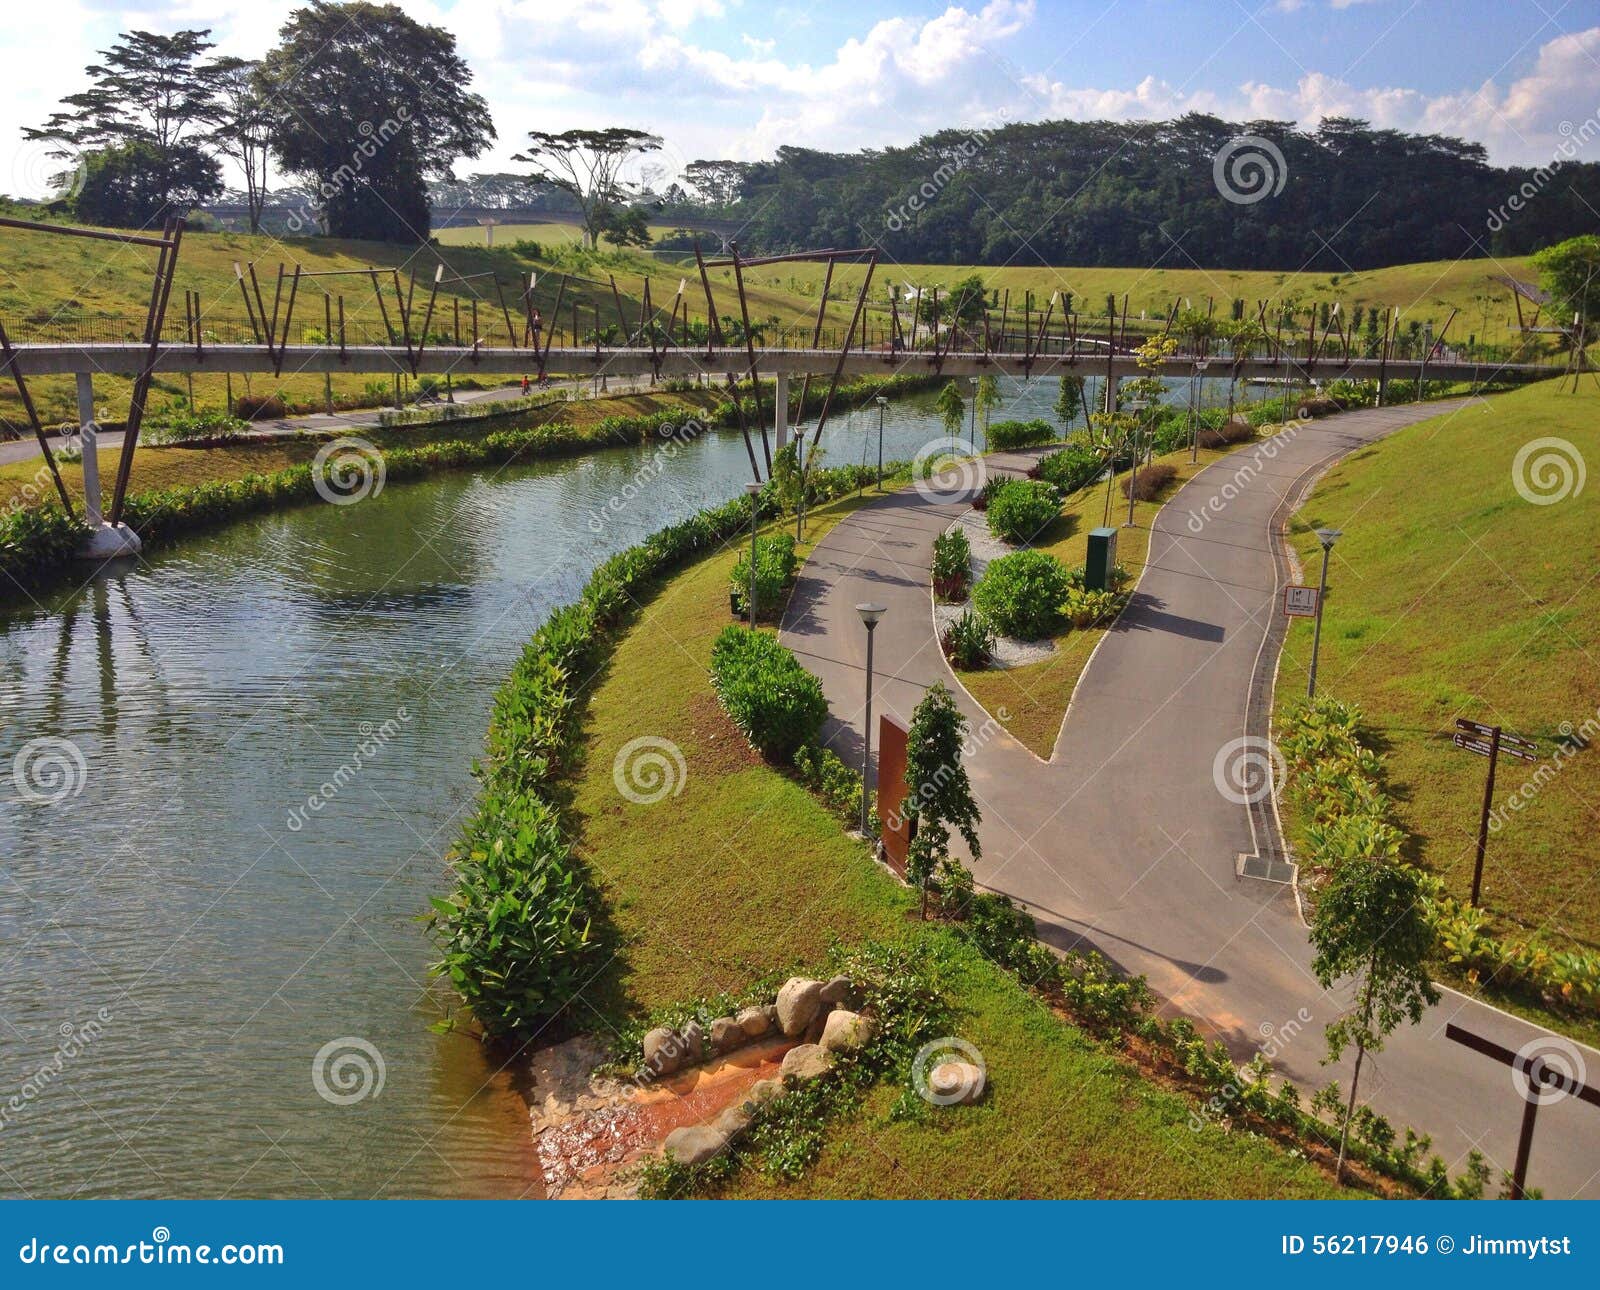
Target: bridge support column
column 102, row 541
column 780, row 417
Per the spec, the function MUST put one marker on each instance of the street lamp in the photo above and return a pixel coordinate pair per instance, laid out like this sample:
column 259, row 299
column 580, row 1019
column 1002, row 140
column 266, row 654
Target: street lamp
column 870, row 614
column 882, row 403
column 1194, row 410
column 753, row 492
column 1327, row 537
column 1136, row 406
column 972, row 428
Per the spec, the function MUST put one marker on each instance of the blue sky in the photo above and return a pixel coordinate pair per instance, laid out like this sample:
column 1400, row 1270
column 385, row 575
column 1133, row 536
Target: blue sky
column 739, row 78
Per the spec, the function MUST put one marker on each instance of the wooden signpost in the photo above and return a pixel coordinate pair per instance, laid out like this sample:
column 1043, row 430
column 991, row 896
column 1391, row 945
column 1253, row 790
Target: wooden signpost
column 1490, row 742
column 1538, row 1078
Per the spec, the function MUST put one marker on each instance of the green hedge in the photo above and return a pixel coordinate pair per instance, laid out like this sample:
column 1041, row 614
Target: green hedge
column 1019, row 434
column 1021, row 594
column 776, row 563
column 1075, row 466
column 1020, row 509
column 776, row 702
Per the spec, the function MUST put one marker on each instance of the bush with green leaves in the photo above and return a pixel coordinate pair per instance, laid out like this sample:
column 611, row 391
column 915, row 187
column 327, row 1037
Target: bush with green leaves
column 1021, row 594
column 1075, row 466
column 774, row 700
column 1083, row 608
column 1020, row 509
column 776, row 564
column 967, row 642
column 1004, row 435
column 825, row 773
column 952, row 564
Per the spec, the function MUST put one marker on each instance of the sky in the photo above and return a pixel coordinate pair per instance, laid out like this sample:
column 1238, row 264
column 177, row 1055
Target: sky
column 739, row 78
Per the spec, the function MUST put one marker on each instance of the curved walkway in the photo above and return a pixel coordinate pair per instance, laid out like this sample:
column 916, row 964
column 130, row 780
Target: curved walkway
column 1122, row 842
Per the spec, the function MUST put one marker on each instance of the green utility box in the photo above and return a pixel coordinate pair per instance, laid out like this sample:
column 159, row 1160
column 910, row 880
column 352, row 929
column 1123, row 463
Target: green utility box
column 1102, row 559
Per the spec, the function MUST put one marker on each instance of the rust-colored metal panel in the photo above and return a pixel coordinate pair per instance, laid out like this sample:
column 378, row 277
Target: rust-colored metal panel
column 892, row 739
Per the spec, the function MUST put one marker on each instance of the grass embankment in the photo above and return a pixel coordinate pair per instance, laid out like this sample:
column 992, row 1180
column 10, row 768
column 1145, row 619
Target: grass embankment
column 744, row 874
column 159, row 467
column 1035, row 697
column 1453, row 596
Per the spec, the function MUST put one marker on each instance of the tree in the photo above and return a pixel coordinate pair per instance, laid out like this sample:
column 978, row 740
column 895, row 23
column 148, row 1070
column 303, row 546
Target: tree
column 940, row 795
column 131, row 185
column 1069, row 401
column 1570, row 272
column 366, row 104
column 987, row 399
column 242, row 126
column 150, row 103
column 1370, row 927
column 717, row 183
column 629, row 227
column 952, row 408
column 588, row 164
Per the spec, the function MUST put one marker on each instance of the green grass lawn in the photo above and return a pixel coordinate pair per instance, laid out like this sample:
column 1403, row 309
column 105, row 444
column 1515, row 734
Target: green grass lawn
column 1452, row 596
column 1035, row 697
column 742, row 874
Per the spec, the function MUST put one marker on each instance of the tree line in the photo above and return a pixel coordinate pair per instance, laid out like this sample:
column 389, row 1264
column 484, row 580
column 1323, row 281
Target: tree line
column 1344, row 196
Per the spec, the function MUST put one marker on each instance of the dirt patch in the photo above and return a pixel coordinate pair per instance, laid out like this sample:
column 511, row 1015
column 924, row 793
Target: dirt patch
column 722, row 748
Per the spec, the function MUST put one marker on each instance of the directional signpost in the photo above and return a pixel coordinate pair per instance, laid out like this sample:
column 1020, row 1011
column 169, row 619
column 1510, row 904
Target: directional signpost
column 1537, row 1071
column 1490, row 742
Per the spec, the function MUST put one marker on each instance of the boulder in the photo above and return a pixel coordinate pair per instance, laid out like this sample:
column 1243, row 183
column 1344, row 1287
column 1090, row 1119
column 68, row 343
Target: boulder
column 726, row 1035
column 956, row 1083
column 839, row 989
column 798, row 1003
column 663, row 1050
column 694, row 1043
column 733, row 1121
column 754, row 1022
column 763, row 1090
column 805, row 1062
column 694, row 1144
column 847, row 1032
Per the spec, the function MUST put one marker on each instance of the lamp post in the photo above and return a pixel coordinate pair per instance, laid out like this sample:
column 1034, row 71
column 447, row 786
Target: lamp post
column 753, row 492
column 1137, row 406
column 882, row 403
column 1327, row 537
column 870, row 614
column 972, row 427
column 1194, row 410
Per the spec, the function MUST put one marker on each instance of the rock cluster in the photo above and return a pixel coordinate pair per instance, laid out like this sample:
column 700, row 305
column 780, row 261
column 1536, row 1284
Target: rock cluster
column 817, row 1013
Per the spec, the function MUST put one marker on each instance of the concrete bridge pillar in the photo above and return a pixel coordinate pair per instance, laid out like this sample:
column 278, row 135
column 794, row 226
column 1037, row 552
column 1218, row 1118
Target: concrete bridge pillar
column 101, row 541
column 780, row 418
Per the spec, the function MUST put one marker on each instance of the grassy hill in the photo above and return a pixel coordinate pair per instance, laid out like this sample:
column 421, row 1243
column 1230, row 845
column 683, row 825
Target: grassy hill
column 1454, row 595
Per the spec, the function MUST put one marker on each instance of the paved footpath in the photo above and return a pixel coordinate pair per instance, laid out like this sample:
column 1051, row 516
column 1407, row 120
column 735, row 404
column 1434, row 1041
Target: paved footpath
column 1122, row 842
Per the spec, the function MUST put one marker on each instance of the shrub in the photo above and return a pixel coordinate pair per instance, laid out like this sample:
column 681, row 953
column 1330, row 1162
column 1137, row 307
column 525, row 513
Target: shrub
column 1019, row 509
column 1019, row 434
column 1021, row 594
column 775, row 569
column 1075, row 466
column 260, row 407
column 775, row 701
column 1090, row 608
column 952, row 564
column 1235, row 430
column 967, row 642
column 825, row 774
column 1149, row 482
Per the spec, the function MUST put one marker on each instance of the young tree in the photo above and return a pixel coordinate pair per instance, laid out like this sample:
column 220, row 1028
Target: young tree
column 151, row 100
column 939, row 794
column 1370, row 927
column 367, row 102
column 1069, row 402
column 952, row 408
column 241, row 128
column 987, row 399
column 1570, row 272
column 588, row 164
